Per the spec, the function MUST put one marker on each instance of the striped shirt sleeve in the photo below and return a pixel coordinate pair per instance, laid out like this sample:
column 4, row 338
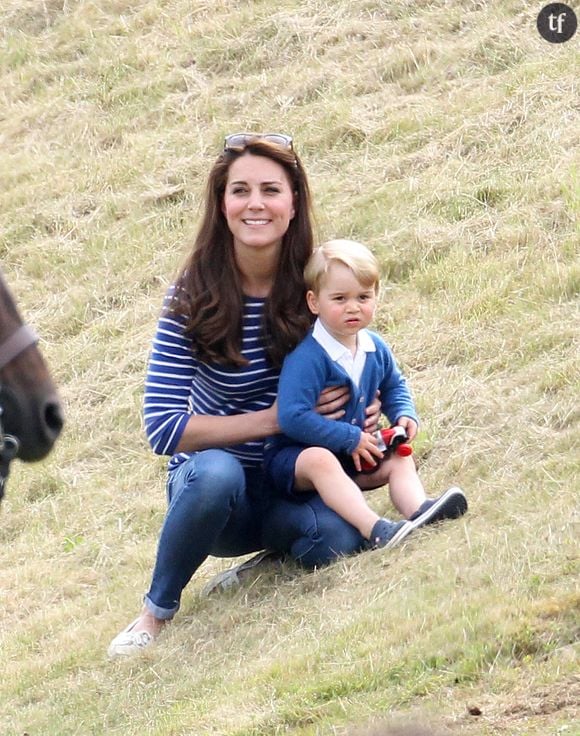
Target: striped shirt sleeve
column 170, row 373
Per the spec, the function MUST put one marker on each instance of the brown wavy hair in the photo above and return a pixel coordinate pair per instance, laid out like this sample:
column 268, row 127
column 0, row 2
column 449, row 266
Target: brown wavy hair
column 209, row 293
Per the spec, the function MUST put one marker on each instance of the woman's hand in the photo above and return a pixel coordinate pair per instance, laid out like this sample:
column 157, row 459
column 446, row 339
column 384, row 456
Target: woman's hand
column 331, row 400
column 271, row 418
column 373, row 412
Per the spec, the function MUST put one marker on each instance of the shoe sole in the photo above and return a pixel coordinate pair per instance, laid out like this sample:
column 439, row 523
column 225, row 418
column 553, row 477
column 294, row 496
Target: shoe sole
column 451, row 505
column 234, row 576
column 400, row 535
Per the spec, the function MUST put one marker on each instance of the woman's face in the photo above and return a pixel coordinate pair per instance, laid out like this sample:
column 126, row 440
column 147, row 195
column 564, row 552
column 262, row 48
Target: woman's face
column 258, row 202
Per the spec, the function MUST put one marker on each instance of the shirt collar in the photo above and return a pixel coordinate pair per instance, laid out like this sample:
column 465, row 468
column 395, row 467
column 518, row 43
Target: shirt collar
column 336, row 349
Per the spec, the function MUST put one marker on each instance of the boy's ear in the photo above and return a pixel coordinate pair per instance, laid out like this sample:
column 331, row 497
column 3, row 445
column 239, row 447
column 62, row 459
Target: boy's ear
column 312, row 301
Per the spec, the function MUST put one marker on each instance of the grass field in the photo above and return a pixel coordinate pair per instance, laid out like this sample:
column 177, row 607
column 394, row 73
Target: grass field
column 446, row 136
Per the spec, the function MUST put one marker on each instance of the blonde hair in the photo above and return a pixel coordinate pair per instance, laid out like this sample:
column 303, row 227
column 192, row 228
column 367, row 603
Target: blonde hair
column 350, row 253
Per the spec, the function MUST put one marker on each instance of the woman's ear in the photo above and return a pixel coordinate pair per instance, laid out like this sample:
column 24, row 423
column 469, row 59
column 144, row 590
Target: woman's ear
column 312, row 301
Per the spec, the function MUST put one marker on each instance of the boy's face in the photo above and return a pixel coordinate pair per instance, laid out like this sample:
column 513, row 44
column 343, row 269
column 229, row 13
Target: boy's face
column 343, row 304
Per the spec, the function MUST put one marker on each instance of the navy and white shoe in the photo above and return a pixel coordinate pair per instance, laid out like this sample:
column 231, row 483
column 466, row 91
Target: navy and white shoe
column 388, row 534
column 450, row 505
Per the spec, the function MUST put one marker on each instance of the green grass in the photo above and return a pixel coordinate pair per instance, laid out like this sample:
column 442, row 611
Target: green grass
column 445, row 136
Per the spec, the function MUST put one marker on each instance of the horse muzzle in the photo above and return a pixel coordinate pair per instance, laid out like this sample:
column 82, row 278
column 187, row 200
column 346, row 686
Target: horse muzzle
column 35, row 424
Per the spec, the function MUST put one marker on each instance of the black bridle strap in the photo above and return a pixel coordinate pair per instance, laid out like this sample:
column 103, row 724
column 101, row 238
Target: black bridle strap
column 8, row 451
column 18, row 341
column 11, row 348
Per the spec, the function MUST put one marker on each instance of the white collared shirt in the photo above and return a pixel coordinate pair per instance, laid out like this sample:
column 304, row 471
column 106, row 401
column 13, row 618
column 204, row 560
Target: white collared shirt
column 339, row 353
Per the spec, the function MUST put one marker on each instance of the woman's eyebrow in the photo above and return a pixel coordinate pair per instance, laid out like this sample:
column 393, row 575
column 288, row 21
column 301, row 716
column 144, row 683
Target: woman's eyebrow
column 262, row 183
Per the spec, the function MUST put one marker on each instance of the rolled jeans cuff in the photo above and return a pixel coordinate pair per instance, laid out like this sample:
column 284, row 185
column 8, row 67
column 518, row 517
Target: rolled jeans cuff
column 163, row 613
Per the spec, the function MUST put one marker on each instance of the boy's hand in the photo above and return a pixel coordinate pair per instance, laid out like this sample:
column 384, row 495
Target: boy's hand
column 367, row 450
column 409, row 425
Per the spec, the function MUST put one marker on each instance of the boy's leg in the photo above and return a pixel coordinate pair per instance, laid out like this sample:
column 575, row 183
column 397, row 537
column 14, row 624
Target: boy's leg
column 318, row 469
column 405, row 487
column 408, row 494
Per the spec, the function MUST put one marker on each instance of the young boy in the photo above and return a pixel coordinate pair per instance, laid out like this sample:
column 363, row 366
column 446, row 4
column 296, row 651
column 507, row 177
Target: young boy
column 322, row 455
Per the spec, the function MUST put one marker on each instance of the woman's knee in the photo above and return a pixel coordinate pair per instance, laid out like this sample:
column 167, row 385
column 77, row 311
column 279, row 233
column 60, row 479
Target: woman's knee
column 210, row 477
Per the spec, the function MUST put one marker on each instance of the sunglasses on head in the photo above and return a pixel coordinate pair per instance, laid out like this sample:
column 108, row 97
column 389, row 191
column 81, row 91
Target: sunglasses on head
column 236, row 140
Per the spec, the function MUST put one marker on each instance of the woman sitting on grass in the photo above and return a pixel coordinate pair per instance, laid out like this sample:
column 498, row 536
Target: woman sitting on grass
column 236, row 310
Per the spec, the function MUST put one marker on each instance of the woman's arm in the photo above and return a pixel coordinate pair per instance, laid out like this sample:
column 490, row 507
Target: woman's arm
column 169, row 423
column 203, row 431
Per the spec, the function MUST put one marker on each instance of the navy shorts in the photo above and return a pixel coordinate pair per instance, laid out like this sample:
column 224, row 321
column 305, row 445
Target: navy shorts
column 280, row 471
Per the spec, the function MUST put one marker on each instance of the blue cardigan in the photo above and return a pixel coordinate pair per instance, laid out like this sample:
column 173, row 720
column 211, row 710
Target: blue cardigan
column 309, row 369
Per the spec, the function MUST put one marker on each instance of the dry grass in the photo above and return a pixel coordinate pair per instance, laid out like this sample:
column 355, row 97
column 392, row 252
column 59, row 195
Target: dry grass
column 446, row 136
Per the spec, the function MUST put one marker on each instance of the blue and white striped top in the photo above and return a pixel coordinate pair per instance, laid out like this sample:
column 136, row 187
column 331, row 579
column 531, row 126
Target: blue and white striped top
column 179, row 385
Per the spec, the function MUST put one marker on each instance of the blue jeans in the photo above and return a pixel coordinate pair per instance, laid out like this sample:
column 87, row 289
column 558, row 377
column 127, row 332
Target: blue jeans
column 310, row 532
column 217, row 507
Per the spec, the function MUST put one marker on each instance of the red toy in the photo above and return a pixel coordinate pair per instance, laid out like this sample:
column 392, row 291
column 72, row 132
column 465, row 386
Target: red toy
column 393, row 439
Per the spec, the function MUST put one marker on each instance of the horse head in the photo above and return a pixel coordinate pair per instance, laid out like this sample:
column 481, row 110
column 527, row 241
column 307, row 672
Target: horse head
column 31, row 413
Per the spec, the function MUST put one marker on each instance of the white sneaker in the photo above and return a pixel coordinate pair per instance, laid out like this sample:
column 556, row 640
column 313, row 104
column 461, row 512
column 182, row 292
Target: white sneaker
column 130, row 642
column 234, row 576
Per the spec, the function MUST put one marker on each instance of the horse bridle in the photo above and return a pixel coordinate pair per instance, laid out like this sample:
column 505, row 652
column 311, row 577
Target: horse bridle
column 11, row 348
